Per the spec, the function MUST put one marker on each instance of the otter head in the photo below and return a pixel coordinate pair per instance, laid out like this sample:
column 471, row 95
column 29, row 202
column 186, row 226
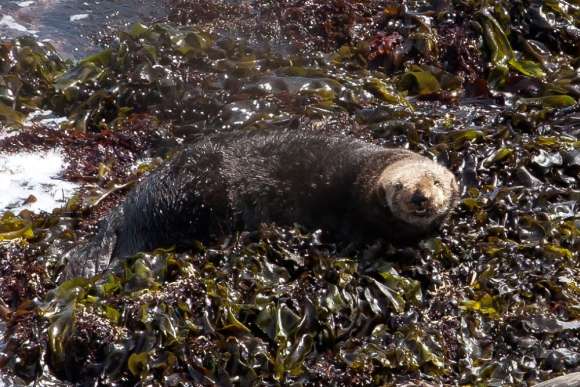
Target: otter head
column 419, row 192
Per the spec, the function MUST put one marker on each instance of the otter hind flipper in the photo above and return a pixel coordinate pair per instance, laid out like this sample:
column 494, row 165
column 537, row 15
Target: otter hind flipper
column 94, row 256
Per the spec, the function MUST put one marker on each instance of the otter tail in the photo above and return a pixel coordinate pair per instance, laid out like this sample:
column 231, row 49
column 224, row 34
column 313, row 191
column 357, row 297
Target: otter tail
column 94, row 256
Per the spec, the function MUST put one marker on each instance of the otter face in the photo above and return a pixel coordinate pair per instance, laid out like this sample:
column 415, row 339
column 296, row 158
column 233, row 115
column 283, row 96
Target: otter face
column 419, row 192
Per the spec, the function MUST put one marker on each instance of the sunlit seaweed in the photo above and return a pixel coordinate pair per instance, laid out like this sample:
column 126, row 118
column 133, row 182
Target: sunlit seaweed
column 489, row 89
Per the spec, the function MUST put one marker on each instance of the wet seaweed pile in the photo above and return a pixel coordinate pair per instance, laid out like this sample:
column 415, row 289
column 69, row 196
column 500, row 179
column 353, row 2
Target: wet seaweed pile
column 488, row 89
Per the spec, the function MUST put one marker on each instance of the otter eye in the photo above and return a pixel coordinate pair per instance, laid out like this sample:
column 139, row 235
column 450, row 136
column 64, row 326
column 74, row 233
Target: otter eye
column 399, row 186
column 438, row 183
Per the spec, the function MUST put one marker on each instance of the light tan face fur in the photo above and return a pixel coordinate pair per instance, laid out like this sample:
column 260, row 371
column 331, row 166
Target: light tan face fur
column 419, row 192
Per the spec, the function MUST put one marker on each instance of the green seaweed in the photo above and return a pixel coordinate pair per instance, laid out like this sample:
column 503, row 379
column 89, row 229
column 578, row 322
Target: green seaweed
column 489, row 90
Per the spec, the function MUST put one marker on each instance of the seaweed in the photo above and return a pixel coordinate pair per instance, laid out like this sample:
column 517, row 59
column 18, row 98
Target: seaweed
column 488, row 89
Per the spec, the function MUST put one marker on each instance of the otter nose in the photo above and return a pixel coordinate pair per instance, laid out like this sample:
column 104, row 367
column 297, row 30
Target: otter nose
column 419, row 199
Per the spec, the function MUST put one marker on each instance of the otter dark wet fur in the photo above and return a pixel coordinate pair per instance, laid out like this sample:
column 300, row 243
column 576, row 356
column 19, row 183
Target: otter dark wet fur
column 349, row 188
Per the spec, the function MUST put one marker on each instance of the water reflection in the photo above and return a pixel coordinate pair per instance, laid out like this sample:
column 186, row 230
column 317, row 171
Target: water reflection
column 72, row 26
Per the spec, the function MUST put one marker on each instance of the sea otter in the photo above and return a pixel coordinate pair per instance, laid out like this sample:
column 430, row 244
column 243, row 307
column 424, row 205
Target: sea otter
column 349, row 188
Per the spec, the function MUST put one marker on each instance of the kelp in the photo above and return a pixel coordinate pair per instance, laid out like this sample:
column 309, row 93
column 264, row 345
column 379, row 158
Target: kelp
column 489, row 90
column 189, row 76
column 28, row 69
column 13, row 227
column 153, row 305
column 183, row 74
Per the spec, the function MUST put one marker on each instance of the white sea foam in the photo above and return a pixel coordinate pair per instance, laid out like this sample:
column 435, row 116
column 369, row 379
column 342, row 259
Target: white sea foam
column 78, row 17
column 25, row 4
column 9, row 22
column 33, row 173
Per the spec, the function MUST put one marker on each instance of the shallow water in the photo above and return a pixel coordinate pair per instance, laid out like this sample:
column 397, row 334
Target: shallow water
column 72, row 25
